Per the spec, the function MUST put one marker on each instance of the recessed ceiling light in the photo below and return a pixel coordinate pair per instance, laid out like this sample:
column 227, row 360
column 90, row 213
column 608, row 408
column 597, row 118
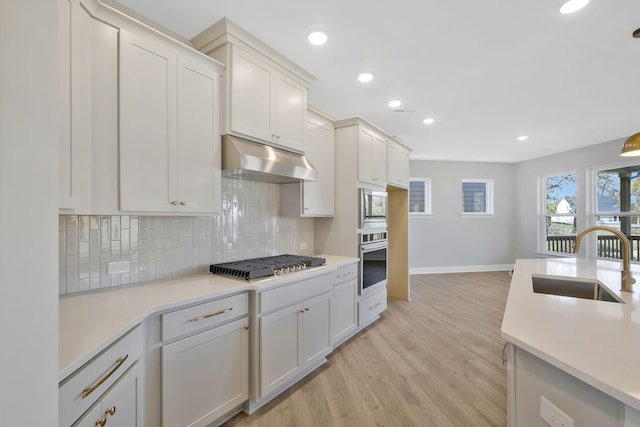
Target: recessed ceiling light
column 394, row 103
column 428, row 121
column 365, row 77
column 522, row 138
column 573, row 6
column 317, row 38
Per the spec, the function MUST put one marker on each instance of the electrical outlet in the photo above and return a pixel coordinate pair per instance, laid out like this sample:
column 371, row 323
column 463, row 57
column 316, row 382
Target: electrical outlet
column 553, row 416
column 118, row 267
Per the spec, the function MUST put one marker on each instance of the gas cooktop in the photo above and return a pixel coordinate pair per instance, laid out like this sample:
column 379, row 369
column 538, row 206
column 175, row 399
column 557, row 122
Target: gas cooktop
column 256, row 268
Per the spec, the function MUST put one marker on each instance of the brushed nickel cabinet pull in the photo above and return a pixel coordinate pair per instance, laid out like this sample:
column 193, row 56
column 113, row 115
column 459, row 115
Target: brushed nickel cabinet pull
column 88, row 390
column 206, row 316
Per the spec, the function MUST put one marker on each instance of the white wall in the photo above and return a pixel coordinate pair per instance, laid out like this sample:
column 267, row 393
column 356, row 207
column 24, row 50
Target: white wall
column 28, row 213
column 580, row 161
column 446, row 242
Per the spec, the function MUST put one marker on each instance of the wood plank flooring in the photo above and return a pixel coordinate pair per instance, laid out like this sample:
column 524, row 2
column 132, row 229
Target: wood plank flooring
column 434, row 361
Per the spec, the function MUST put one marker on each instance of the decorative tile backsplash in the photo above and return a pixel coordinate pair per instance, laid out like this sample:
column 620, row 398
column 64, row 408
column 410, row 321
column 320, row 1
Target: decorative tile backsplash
column 160, row 247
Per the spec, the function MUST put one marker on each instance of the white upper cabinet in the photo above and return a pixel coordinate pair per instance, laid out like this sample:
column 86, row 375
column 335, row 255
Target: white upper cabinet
column 251, row 96
column 74, row 72
column 264, row 94
column 198, row 142
column 289, row 112
column 169, row 137
column 314, row 198
column 397, row 164
column 372, row 157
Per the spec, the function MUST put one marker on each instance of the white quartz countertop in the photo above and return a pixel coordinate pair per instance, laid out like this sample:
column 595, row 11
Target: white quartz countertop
column 595, row 341
column 88, row 323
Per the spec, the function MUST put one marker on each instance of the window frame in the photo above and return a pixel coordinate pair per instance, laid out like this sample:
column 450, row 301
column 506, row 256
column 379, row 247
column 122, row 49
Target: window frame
column 543, row 215
column 489, row 198
column 427, row 197
column 592, row 216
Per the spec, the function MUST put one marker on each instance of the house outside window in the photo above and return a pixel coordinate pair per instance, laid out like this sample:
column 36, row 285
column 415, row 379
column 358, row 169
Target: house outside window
column 420, row 196
column 477, row 197
column 558, row 213
column 617, row 205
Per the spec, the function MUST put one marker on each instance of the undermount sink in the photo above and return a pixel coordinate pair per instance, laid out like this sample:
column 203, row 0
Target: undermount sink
column 573, row 288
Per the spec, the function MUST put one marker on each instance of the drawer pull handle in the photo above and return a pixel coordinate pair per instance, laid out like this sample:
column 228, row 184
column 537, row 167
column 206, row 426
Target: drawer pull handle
column 101, row 422
column 206, row 316
column 88, row 390
column 111, row 411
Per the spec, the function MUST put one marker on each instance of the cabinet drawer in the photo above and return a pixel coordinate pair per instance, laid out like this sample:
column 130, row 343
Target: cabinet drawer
column 295, row 292
column 203, row 316
column 346, row 272
column 370, row 307
column 85, row 386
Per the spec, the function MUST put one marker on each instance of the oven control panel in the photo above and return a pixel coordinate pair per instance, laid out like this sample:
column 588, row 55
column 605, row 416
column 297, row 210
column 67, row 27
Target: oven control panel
column 373, row 237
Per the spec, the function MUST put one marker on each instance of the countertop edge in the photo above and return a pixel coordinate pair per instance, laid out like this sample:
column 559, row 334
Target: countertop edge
column 231, row 286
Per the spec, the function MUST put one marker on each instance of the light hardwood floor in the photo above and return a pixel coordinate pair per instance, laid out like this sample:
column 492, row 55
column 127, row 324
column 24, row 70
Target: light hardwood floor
column 434, row 361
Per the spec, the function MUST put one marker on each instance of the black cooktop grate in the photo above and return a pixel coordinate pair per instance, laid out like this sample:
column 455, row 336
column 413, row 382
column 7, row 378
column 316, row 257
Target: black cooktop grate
column 263, row 267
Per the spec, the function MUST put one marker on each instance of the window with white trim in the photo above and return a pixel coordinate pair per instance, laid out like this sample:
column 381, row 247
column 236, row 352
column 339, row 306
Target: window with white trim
column 420, row 196
column 558, row 212
column 477, row 197
column 617, row 205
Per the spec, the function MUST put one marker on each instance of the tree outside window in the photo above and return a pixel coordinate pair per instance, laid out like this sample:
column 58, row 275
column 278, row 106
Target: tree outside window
column 618, row 206
column 559, row 213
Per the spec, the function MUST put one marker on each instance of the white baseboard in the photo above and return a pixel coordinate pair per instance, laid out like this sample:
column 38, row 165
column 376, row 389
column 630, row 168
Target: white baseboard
column 460, row 269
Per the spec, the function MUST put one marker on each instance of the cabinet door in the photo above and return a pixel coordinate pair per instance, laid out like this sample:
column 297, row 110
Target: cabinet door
column 365, row 155
column 251, row 81
column 344, row 319
column 199, row 157
column 279, row 337
column 147, row 124
column 289, row 112
column 397, row 165
column 75, row 78
column 393, row 163
column 315, row 336
column 379, row 161
column 206, row 375
column 319, row 146
column 121, row 406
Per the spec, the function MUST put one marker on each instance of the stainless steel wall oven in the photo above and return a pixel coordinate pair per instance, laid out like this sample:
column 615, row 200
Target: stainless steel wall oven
column 373, row 262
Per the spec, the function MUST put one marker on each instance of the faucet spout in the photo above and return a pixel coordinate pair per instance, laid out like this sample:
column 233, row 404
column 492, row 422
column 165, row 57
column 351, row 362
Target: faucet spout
column 627, row 278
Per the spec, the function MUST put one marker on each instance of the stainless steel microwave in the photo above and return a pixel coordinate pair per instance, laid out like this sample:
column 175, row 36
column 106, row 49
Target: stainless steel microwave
column 373, row 208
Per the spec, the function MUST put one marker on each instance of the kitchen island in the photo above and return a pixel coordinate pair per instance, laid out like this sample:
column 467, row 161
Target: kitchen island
column 579, row 355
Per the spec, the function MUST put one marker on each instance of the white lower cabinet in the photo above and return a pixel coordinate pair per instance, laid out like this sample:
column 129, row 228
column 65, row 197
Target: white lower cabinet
column 293, row 339
column 113, row 379
column 344, row 303
column 119, row 406
column 370, row 307
column 204, row 376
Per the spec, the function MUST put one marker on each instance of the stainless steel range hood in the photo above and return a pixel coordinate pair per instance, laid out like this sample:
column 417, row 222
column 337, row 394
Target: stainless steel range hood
column 246, row 159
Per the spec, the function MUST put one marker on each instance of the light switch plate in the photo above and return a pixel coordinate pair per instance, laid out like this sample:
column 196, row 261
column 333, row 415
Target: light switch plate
column 118, row 267
column 552, row 415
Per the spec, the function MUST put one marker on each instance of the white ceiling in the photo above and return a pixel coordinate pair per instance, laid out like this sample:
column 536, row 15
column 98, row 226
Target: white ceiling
column 487, row 71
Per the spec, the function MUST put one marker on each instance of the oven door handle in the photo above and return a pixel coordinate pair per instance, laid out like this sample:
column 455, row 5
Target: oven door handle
column 368, row 247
